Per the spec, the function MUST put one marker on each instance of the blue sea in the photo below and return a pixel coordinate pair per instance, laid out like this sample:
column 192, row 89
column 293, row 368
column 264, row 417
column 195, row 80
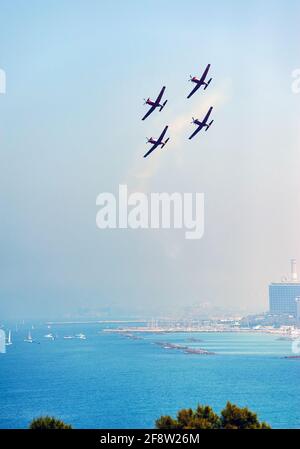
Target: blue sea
column 110, row 381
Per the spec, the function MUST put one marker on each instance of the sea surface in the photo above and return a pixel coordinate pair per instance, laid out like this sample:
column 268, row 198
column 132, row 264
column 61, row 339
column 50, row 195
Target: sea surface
column 110, row 381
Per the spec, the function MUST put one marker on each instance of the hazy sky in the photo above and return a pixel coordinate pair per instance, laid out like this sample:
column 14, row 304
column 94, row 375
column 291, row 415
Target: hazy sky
column 70, row 128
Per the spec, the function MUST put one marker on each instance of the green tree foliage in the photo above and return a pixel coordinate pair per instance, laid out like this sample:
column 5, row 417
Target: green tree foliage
column 231, row 417
column 48, row 422
column 205, row 418
column 166, row 422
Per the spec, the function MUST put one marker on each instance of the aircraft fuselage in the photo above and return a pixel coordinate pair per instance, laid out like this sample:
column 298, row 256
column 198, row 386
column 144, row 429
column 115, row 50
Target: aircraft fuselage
column 151, row 140
column 152, row 103
column 197, row 122
column 154, row 141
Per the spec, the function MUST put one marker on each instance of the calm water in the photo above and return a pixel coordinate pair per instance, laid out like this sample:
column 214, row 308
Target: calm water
column 109, row 381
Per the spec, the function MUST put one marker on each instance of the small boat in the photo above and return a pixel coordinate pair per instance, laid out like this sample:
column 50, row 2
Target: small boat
column 49, row 336
column 68, row 337
column 29, row 338
column 9, row 341
column 80, row 336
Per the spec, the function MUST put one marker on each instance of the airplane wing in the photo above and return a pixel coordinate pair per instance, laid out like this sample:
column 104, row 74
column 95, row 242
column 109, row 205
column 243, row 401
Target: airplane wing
column 204, row 75
column 194, row 90
column 197, row 130
column 157, row 101
column 207, row 115
column 152, row 149
column 149, row 112
column 159, row 140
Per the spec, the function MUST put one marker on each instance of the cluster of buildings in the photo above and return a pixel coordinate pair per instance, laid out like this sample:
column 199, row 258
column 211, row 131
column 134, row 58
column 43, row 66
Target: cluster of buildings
column 284, row 297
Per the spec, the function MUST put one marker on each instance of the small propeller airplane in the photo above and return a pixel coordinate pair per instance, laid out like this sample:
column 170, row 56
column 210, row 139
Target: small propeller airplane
column 200, row 82
column 202, row 124
column 157, row 142
column 155, row 104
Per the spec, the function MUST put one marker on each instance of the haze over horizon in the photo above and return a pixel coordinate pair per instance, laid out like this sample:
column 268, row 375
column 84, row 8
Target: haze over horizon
column 70, row 128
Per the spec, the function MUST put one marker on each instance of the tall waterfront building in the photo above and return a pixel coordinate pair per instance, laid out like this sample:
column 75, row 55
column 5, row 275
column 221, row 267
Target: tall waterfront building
column 298, row 310
column 282, row 295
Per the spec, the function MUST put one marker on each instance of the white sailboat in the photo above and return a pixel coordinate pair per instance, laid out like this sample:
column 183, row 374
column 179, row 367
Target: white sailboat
column 29, row 338
column 9, row 340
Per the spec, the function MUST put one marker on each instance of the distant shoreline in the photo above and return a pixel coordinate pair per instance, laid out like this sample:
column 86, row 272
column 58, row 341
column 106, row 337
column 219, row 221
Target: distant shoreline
column 61, row 323
column 158, row 330
column 183, row 329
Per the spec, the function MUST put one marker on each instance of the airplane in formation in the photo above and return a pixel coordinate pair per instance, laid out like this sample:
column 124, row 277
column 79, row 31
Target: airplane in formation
column 200, row 81
column 157, row 142
column 155, row 104
column 202, row 124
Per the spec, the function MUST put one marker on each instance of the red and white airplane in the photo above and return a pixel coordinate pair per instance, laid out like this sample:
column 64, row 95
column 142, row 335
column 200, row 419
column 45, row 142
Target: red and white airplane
column 157, row 142
column 200, row 81
column 155, row 104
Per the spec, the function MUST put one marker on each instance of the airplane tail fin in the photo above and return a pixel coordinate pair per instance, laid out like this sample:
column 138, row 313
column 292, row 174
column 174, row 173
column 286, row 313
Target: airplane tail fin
column 208, row 83
column 163, row 105
column 165, row 142
column 209, row 125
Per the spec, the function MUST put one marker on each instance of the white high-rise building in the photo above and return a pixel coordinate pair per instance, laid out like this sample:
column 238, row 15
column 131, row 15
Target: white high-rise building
column 282, row 295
